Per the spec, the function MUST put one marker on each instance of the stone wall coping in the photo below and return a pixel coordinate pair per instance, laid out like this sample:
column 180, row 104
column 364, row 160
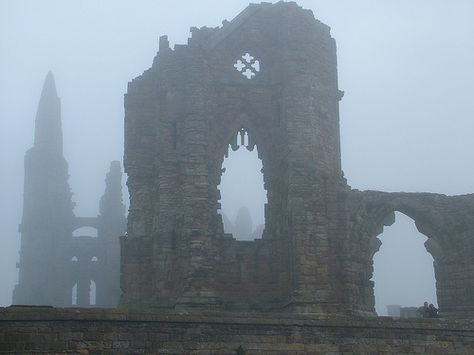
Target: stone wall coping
column 47, row 314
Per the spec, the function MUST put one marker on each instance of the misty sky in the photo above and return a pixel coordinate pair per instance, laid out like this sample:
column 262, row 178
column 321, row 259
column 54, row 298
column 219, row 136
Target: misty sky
column 407, row 117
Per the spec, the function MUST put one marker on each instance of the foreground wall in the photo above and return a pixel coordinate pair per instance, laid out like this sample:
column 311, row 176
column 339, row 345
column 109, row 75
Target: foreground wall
column 25, row 330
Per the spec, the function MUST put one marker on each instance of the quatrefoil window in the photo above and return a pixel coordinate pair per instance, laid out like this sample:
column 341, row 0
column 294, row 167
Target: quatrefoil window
column 248, row 66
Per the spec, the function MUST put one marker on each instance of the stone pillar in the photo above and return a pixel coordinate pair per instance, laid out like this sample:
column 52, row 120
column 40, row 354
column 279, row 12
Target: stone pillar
column 140, row 164
column 198, row 207
column 310, row 119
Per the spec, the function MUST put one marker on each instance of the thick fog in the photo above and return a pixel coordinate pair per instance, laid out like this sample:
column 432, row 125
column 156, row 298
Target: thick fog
column 407, row 116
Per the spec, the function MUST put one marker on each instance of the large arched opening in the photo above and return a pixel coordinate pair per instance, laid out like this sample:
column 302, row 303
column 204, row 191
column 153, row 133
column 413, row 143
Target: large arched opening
column 242, row 192
column 403, row 269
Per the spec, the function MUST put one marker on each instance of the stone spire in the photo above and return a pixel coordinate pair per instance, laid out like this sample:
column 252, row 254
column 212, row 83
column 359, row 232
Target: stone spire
column 47, row 209
column 48, row 131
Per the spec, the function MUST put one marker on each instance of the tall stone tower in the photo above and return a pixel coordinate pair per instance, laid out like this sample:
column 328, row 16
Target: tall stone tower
column 56, row 268
column 269, row 75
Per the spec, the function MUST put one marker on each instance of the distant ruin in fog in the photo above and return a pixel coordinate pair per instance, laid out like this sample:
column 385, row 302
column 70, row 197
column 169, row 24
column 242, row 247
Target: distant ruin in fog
column 58, row 265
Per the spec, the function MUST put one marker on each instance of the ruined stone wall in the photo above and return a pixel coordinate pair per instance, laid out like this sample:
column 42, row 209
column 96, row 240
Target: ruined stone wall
column 447, row 221
column 181, row 116
column 96, row 331
column 270, row 74
column 54, row 264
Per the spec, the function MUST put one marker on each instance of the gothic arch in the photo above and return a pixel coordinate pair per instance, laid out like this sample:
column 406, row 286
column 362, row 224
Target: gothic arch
column 244, row 141
column 440, row 219
column 423, row 226
column 404, row 268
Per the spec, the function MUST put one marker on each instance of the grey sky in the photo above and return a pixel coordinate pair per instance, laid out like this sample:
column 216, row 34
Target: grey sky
column 406, row 66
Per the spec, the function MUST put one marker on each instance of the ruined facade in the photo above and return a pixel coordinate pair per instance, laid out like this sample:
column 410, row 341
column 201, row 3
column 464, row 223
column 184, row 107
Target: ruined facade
column 269, row 73
column 57, row 268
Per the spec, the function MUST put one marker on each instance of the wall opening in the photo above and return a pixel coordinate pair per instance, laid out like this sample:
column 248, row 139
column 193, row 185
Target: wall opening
column 85, row 232
column 92, row 293
column 74, row 295
column 243, row 196
column 403, row 269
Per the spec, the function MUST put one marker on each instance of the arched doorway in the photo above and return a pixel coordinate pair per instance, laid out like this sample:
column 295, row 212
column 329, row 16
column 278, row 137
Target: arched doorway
column 403, row 268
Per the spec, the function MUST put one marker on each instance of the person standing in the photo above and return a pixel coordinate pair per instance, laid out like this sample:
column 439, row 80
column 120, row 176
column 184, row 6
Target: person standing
column 423, row 311
column 432, row 311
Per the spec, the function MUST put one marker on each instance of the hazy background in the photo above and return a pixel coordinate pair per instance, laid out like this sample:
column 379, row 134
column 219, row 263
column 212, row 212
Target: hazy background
column 407, row 117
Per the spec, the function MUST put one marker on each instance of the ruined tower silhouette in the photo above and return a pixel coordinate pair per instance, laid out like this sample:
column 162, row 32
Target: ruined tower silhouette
column 56, row 268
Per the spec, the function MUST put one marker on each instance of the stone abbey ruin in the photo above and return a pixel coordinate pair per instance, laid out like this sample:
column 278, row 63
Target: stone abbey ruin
column 57, row 268
column 269, row 75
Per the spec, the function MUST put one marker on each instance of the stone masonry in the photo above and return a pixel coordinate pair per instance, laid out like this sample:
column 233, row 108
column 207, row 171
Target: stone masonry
column 269, row 73
column 93, row 331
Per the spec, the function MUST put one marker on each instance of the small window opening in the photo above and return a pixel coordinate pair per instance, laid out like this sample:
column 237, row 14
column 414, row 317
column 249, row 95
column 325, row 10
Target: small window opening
column 92, row 293
column 74, row 295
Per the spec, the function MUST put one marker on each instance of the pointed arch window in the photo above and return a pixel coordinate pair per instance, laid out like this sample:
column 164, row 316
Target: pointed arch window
column 403, row 268
column 242, row 191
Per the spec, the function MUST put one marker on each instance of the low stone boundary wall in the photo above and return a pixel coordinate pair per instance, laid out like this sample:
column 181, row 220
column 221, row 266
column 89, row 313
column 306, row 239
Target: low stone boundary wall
column 47, row 330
